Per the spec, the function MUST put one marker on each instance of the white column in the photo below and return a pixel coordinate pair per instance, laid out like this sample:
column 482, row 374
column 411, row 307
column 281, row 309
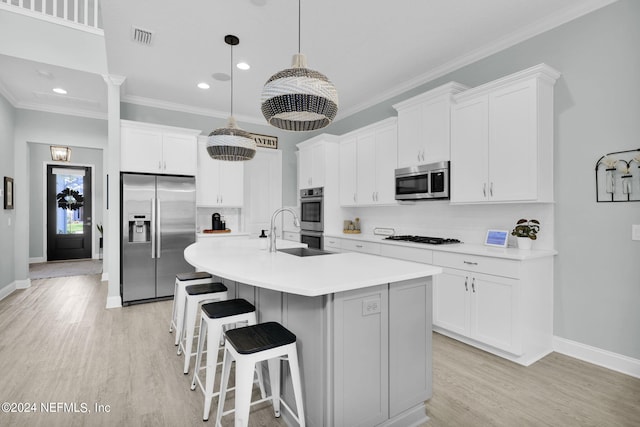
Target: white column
column 112, row 218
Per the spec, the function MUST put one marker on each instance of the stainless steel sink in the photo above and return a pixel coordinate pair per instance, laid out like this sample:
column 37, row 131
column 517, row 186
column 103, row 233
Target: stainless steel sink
column 304, row 251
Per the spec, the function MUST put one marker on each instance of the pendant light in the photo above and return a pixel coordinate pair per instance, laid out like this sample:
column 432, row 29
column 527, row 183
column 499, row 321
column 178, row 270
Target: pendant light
column 231, row 143
column 298, row 98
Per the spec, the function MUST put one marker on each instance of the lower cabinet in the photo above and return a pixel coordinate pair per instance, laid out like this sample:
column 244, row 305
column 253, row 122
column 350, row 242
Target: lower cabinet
column 479, row 306
column 499, row 305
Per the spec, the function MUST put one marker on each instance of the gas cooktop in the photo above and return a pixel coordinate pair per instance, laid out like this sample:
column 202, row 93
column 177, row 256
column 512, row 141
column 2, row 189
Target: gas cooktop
column 424, row 239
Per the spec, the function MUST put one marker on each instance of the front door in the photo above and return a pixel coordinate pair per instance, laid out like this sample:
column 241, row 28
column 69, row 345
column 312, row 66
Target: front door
column 68, row 212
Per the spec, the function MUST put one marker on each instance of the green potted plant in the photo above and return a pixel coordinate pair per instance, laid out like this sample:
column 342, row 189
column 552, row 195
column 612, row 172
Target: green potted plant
column 526, row 231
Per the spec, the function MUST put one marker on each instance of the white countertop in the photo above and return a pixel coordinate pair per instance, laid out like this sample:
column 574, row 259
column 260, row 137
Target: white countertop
column 461, row 248
column 241, row 260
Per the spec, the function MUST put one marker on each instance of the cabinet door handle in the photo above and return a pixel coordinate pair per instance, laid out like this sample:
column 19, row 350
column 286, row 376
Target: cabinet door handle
column 373, row 196
column 165, row 165
column 470, row 263
column 466, row 286
column 491, row 189
column 159, row 166
column 354, row 197
column 473, row 285
column 484, row 189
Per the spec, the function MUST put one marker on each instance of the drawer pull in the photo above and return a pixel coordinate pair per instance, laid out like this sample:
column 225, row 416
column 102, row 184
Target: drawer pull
column 470, row 263
column 358, row 246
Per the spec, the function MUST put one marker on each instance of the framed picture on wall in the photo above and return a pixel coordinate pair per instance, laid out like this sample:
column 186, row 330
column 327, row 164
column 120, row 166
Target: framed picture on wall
column 8, row 192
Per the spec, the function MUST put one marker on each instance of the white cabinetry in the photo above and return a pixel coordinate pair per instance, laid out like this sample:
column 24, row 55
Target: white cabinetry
column 367, row 165
column 151, row 148
column 263, row 191
column 502, row 306
column 332, row 244
column 424, row 126
column 502, row 139
column 316, row 158
column 218, row 183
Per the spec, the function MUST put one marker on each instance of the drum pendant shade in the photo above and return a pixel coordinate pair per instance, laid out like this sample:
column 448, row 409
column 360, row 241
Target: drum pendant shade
column 231, row 143
column 299, row 98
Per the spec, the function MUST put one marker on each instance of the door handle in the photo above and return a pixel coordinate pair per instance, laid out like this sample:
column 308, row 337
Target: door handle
column 466, row 286
column 159, row 244
column 484, row 189
column 153, row 228
column 491, row 189
column 473, row 285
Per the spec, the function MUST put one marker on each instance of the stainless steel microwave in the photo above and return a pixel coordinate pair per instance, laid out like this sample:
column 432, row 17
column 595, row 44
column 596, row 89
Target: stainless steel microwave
column 423, row 182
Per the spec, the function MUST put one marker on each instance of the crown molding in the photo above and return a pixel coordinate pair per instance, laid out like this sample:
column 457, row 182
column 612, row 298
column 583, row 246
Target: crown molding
column 165, row 105
column 61, row 110
column 4, row 91
column 525, row 33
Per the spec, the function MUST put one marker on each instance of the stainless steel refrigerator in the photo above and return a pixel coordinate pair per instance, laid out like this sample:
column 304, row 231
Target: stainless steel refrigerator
column 158, row 217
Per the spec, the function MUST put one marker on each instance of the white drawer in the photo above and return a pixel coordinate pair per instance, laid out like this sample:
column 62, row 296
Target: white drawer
column 424, row 256
column 291, row 235
column 479, row 264
column 360, row 246
column 332, row 242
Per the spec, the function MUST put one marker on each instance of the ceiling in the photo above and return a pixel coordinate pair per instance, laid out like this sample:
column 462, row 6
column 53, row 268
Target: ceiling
column 371, row 50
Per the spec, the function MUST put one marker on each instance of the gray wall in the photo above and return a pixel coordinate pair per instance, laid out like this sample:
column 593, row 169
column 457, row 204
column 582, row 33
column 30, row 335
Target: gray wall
column 39, row 155
column 7, row 233
column 286, row 140
column 597, row 110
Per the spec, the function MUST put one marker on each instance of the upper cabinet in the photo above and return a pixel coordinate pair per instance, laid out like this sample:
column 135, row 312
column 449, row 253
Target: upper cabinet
column 502, row 139
column 316, row 158
column 424, row 126
column 157, row 149
column 219, row 183
column 367, row 165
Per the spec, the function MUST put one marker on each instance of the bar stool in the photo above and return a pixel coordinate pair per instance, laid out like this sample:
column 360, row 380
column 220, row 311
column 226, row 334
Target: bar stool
column 265, row 341
column 214, row 318
column 195, row 295
column 177, row 309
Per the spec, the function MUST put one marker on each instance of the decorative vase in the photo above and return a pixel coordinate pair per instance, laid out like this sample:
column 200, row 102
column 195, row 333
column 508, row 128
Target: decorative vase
column 524, row 242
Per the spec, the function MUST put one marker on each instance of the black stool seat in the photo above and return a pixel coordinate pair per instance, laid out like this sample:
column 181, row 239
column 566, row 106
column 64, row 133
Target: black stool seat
column 183, row 277
column 232, row 307
column 260, row 337
column 205, row 288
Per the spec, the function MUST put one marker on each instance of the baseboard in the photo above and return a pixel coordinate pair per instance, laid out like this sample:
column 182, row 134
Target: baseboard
column 105, row 277
column 114, row 302
column 37, row 260
column 597, row 356
column 7, row 290
column 23, row 284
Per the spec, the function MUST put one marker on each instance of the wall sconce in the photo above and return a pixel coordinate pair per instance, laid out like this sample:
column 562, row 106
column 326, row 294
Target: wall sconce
column 60, row 154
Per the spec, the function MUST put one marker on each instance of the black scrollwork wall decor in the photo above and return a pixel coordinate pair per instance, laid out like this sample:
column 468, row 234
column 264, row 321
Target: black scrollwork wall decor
column 618, row 177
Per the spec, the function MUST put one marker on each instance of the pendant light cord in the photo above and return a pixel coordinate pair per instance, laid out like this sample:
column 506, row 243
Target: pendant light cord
column 299, row 20
column 231, row 72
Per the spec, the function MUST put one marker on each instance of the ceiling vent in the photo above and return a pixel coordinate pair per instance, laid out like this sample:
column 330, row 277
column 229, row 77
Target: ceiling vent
column 141, row 36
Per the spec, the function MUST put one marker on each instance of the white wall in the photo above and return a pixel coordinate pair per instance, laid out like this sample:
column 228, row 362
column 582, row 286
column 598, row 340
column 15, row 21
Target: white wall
column 7, row 217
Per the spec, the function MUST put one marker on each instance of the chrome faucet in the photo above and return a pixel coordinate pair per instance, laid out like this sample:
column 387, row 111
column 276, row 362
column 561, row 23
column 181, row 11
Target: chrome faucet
column 272, row 228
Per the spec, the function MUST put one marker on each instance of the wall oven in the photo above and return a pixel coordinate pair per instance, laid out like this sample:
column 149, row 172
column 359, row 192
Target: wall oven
column 313, row 239
column 424, row 182
column 311, row 209
column 312, row 217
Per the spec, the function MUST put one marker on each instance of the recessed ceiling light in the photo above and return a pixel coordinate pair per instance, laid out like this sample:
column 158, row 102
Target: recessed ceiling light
column 60, row 91
column 243, row 66
column 203, row 85
column 223, row 77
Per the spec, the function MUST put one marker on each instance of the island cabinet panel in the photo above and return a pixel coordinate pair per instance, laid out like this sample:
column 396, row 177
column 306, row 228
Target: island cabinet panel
column 361, row 364
column 306, row 318
column 410, row 311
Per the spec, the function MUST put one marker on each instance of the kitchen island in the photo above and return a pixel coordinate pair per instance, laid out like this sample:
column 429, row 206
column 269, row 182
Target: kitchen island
column 363, row 324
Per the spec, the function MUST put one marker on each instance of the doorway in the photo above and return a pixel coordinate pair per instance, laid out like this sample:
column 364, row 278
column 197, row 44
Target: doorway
column 69, row 231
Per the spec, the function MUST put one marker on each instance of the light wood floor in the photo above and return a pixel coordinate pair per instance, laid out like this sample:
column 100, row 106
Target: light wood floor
column 59, row 344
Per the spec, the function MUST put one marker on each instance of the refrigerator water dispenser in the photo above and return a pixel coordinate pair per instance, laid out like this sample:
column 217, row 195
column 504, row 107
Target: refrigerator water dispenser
column 139, row 228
